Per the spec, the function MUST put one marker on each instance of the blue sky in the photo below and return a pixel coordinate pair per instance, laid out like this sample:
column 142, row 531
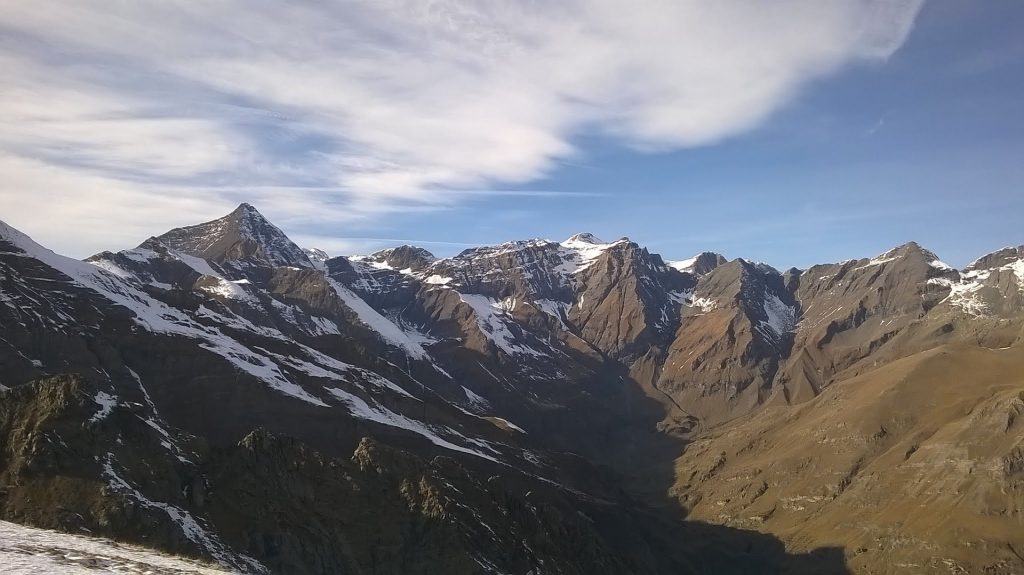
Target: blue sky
column 801, row 133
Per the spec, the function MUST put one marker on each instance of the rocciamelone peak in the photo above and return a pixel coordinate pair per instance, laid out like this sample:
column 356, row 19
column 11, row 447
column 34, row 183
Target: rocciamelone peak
column 244, row 237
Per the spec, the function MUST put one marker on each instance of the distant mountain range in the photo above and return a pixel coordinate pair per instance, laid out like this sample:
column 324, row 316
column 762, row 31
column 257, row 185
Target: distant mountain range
column 530, row 407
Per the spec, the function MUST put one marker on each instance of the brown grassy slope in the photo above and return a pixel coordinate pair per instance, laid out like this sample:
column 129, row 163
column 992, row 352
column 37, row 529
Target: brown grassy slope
column 916, row 467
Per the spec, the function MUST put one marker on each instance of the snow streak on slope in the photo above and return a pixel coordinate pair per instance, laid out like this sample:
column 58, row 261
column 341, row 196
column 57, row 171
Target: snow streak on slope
column 781, row 317
column 185, row 521
column 377, row 413
column 327, row 367
column 224, row 287
column 387, row 330
column 30, row 551
column 889, row 256
column 490, row 317
column 556, row 309
column 475, row 400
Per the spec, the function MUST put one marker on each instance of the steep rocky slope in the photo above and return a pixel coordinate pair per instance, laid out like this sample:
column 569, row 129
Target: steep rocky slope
column 915, row 467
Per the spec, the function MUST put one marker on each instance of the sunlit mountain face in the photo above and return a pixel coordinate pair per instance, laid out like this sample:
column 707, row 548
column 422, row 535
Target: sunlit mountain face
column 512, row 288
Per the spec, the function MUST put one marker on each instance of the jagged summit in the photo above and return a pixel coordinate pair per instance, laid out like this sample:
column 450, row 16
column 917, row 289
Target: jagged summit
column 403, row 257
column 910, row 253
column 247, row 210
column 699, row 264
column 585, row 238
column 1001, row 257
column 244, row 236
column 910, row 248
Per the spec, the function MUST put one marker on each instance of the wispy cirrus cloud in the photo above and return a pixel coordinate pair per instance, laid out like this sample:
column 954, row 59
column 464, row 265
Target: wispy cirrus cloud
column 333, row 112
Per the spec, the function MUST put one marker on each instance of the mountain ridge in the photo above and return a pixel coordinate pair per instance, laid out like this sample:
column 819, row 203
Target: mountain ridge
column 581, row 368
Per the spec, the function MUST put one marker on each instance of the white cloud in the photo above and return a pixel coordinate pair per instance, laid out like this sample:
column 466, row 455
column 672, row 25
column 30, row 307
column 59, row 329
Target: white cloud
column 76, row 212
column 359, row 107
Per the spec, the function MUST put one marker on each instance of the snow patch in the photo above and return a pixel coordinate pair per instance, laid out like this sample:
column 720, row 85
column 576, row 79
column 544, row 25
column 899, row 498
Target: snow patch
column 684, row 265
column 705, row 304
column 384, row 327
column 185, row 521
column 1017, row 268
column 475, row 400
column 490, row 317
column 106, row 402
column 581, row 251
column 964, row 294
column 437, row 280
column 379, row 414
column 200, row 265
column 781, row 318
column 30, row 551
column 326, row 367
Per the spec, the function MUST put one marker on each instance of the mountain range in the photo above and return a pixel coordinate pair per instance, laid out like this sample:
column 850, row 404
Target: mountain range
column 534, row 407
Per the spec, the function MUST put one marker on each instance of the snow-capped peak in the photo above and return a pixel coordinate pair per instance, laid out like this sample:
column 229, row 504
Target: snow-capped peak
column 583, row 238
column 583, row 250
column 699, row 264
column 683, row 265
column 998, row 258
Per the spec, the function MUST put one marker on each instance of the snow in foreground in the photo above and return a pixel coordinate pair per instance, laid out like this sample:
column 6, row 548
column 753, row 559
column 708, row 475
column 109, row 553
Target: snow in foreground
column 27, row 550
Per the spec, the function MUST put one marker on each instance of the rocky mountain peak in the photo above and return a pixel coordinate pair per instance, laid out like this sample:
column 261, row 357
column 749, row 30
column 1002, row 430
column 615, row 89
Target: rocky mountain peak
column 246, row 210
column 909, row 258
column 404, row 257
column 584, row 238
column 996, row 259
column 699, row 264
column 244, row 236
column 755, row 267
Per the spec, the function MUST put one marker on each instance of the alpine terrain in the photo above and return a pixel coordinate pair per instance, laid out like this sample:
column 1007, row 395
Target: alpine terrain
column 534, row 407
